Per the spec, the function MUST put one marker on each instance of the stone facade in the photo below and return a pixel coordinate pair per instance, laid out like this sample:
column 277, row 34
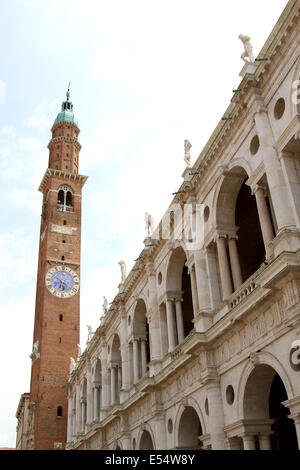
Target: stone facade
column 200, row 348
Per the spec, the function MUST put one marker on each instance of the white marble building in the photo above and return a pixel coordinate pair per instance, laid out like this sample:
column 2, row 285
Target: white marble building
column 201, row 347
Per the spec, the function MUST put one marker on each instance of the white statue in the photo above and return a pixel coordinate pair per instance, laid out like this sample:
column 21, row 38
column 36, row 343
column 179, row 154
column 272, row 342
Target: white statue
column 149, row 221
column 187, row 153
column 78, row 351
column 123, row 271
column 72, row 364
column 90, row 332
column 248, row 49
column 35, row 348
column 105, row 305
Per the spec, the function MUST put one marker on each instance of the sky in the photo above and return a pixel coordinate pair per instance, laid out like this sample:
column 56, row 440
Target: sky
column 144, row 77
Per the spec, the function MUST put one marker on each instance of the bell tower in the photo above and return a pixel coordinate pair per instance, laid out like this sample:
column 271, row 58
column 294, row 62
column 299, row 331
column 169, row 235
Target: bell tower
column 57, row 309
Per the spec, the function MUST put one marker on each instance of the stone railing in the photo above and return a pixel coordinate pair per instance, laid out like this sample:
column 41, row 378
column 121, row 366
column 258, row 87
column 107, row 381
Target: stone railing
column 242, row 294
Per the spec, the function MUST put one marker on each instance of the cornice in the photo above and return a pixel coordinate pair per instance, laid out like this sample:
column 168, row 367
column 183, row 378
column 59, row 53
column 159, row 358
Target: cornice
column 65, row 175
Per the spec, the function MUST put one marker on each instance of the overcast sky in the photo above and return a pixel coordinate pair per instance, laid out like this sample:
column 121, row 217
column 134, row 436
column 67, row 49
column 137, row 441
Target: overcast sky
column 145, row 75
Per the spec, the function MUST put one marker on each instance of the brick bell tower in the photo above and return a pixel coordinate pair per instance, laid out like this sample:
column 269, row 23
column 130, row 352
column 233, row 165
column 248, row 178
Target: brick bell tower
column 57, row 310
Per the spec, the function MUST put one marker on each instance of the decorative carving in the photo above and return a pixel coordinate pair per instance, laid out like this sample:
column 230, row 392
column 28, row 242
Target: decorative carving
column 35, row 351
column 105, row 305
column 149, row 224
column 123, row 271
column 90, row 333
column 72, row 364
column 187, row 154
column 248, row 52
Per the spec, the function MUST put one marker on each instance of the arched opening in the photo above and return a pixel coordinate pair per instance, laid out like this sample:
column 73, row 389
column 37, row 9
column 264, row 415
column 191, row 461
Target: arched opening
column 264, row 394
column 140, row 341
column 179, row 306
column 59, row 411
column 241, row 249
column 146, row 441
column 115, row 370
column 250, row 242
column 189, row 430
column 64, row 199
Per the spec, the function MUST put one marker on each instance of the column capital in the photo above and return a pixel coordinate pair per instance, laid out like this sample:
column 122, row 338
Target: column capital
column 259, row 187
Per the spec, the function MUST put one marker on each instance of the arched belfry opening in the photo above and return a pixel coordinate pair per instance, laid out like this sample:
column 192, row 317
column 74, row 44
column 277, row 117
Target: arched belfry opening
column 189, row 430
column 177, row 313
column 265, row 413
column 139, row 345
column 64, row 199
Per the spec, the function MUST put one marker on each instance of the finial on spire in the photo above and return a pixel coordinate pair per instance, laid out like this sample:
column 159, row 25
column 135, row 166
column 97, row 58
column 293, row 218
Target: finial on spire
column 68, row 91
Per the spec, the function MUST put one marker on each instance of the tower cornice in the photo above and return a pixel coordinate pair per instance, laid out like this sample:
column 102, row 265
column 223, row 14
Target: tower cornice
column 62, row 174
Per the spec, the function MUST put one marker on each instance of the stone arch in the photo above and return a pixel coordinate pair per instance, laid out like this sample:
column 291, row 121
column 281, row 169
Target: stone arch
column 188, row 426
column 146, row 439
column 263, row 411
column 139, row 346
column 263, row 358
column 191, row 403
column 175, row 262
column 115, row 371
column 179, row 308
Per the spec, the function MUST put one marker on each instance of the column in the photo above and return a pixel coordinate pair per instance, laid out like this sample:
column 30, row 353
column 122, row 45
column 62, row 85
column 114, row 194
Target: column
column 125, row 382
column 216, row 415
column 104, row 389
column 224, row 268
column 70, row 412
column 265, row 219
column 202, row 281
column 83, row 404
column 194, row 291
column 265, row 442
column 171, row 325
column 119, row 371
column 135, row 361
column 78, row 414
column 96, row 407
column 144, row 357
column 273, row 167
column 249, row 442
column 235, row 263
column 112, row 385
column 179, row 320
column 90, row 400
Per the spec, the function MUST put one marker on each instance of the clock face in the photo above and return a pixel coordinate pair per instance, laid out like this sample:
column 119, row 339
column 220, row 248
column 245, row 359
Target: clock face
column 62, row 281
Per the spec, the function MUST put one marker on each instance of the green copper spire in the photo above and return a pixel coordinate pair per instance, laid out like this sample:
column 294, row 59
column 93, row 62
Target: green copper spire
column 67, row 113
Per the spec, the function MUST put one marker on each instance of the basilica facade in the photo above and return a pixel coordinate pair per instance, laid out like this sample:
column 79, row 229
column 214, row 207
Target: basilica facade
column 200, row 348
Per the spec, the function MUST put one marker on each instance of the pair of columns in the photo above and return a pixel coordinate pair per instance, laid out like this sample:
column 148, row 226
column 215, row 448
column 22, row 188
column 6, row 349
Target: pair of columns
column 248, row 442
column 228, row 267
column 231, row 269
column 174, row 322
column 139, row 359
column 115, row 382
